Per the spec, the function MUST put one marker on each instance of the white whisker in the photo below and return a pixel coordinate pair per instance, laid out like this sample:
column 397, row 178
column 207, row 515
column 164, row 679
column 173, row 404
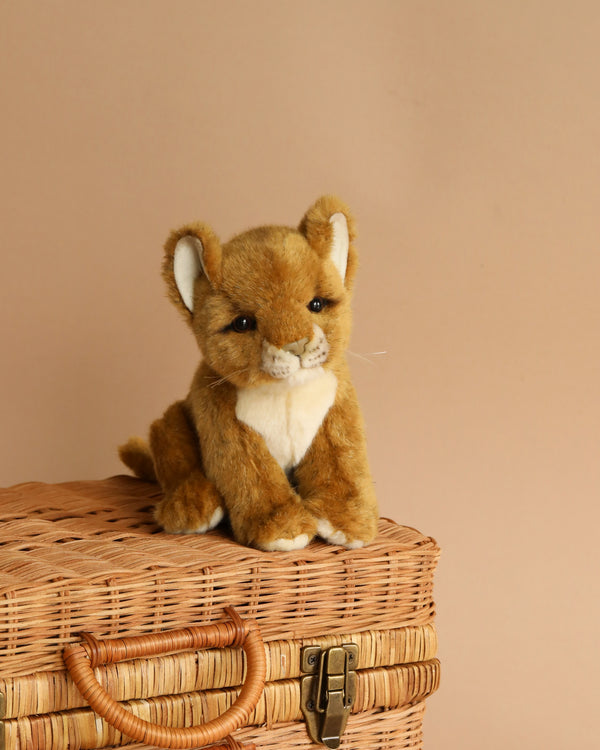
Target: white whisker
column 366, row 355
column 226, row 378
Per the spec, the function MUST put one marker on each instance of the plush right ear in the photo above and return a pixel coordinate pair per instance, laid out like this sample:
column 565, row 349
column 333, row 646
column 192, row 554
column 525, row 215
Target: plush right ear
column 329, row 228
column 190, row 252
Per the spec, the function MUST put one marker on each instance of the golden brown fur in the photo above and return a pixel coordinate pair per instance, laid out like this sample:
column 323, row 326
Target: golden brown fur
column 209, row 457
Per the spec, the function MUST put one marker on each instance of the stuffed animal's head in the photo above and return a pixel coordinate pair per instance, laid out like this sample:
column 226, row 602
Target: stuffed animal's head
column 274, row 302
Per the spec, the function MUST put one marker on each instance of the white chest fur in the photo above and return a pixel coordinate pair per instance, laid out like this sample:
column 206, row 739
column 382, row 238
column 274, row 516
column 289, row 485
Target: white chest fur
column 288, row 413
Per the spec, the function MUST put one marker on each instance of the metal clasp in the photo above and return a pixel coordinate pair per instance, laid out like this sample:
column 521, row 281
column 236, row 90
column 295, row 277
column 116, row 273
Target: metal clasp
column 328, row 691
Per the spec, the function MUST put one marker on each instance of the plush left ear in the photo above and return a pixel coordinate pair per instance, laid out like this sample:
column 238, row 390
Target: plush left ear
column 190, row 252
column 329, row 228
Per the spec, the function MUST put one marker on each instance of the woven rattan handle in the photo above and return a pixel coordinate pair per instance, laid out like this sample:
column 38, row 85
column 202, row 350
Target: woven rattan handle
column 81, row 658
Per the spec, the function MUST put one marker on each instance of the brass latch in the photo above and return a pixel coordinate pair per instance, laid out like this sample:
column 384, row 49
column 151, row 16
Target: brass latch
column 328, row 691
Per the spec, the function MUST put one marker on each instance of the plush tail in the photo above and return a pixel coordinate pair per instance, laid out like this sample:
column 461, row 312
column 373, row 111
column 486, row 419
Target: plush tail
column 136, row 455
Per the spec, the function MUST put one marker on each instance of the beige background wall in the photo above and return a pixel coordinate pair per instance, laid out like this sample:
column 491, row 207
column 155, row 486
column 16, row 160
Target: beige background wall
column 466, row 137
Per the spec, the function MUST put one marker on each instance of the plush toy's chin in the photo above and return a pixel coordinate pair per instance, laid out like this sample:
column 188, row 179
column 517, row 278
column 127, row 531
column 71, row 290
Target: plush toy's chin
column 304, row 375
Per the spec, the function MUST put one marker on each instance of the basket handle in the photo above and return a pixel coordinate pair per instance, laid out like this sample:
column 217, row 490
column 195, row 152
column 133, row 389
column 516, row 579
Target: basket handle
column 81, row 658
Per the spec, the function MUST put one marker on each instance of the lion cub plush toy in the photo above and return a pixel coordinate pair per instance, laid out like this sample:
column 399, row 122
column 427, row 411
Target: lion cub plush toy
column 270, row 433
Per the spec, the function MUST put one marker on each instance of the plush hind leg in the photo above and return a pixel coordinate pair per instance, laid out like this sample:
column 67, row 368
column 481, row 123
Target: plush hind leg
column 191, row 503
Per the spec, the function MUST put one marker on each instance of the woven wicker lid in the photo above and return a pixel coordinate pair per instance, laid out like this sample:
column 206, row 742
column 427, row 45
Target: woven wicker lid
column 87, row 556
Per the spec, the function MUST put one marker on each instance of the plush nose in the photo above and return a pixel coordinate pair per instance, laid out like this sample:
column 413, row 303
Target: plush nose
column 296, row 347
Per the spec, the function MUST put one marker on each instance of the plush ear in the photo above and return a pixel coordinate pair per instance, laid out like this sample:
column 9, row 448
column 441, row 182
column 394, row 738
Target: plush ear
column 329, row 228
column 190, row 252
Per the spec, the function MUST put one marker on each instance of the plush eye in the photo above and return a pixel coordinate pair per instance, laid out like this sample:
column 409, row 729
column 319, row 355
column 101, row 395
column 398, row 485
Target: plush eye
column 243, row 323
column 316, row 304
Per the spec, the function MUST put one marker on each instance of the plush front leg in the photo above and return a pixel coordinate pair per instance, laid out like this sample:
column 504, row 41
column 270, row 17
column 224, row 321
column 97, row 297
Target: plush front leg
column 190, row 504
column 335, row 481
column 263, row 509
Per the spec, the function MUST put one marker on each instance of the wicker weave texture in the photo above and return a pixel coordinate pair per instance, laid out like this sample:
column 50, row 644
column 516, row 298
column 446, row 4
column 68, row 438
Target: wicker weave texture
column 380, row 688
column 399, row 729
column 86, row 556
column 50, row 692
column 396, row 729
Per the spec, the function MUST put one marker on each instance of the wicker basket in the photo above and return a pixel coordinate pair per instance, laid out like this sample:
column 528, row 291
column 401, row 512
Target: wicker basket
column 87, row 557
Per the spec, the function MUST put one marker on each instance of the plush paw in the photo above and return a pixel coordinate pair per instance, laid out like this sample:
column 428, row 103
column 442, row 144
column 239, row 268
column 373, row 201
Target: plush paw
column 349, row 521
column 336, row 536
column 194, row 507
column 286, row 545
column 287, row 528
